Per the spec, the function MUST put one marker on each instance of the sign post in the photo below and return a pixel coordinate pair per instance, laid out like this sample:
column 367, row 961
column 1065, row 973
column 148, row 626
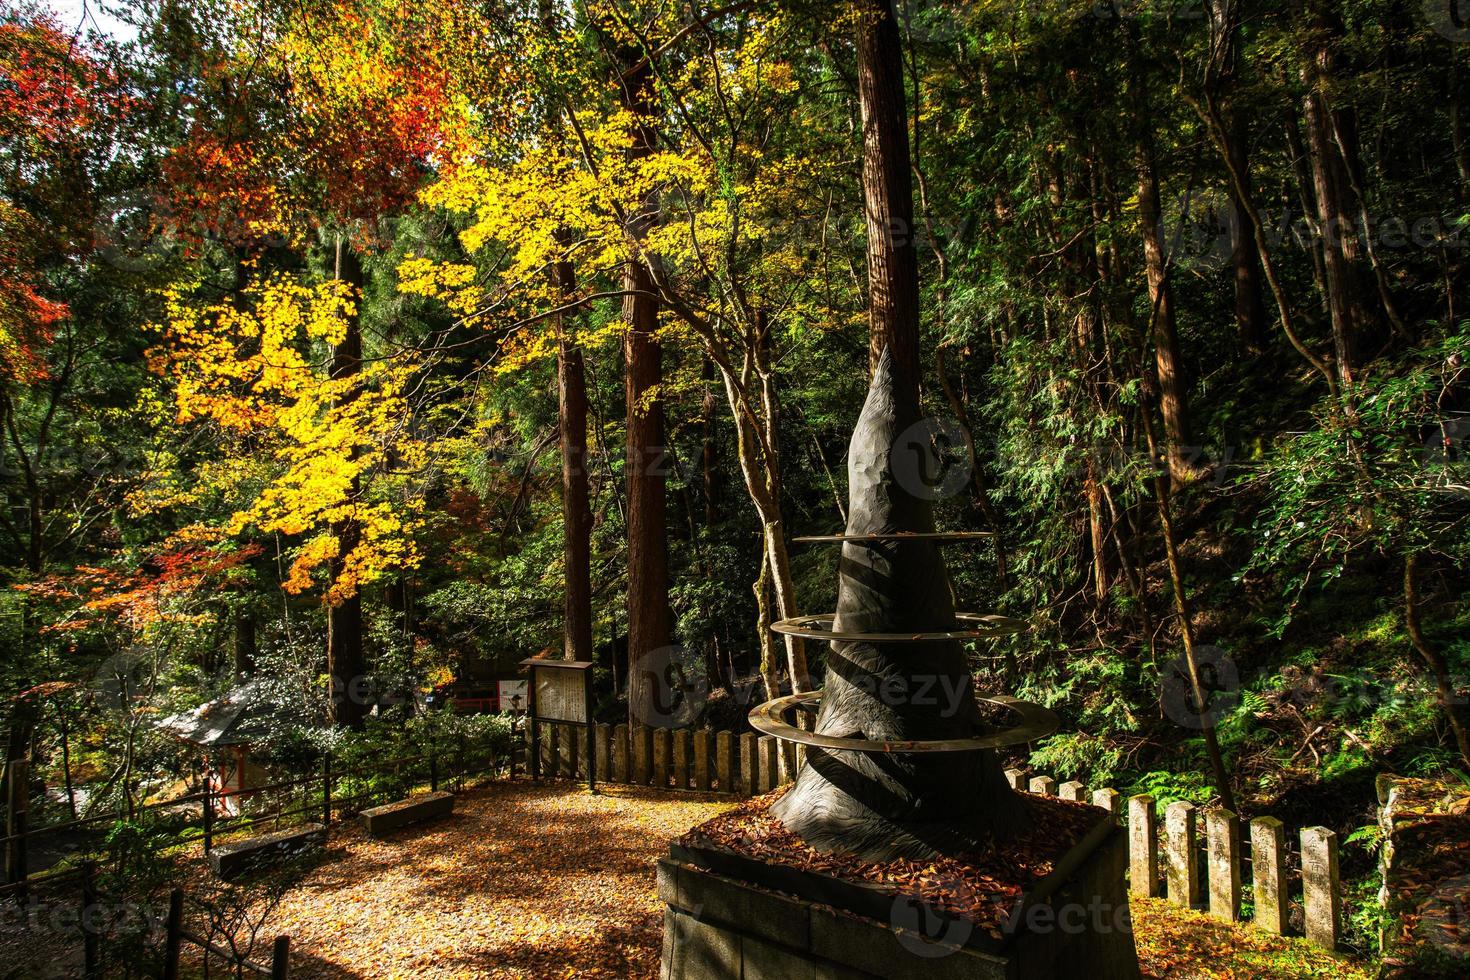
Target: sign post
column 561, row 691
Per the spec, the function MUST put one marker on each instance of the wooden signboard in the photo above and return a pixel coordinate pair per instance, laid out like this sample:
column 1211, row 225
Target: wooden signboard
column 561, row 691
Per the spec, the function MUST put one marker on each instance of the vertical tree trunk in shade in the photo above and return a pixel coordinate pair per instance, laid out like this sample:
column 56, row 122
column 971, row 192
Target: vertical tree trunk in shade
column 649, row 621
column 888, row 199
column 709, row 446
column 244, row 647
column 576, row 510
column 1173, row 388
column 1331, row 186
column 888, row 805
column 346, row 666
column 1250, row 306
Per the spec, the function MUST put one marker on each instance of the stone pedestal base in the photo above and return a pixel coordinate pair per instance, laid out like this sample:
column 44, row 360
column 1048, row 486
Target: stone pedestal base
column 720, row 926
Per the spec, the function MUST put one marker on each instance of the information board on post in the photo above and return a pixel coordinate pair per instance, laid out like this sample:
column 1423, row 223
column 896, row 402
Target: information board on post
column 560, row 692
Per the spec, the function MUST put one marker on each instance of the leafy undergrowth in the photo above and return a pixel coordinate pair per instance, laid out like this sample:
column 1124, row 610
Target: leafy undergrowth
column 1174, row 944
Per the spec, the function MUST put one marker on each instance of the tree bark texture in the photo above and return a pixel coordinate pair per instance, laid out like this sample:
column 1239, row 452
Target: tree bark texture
column 346, row 665
column 649, row 620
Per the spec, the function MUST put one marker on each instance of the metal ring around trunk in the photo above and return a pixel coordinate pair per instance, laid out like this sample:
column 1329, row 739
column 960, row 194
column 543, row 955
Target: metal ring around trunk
column 1034, row 722
column 819, row 627
column 894, row 536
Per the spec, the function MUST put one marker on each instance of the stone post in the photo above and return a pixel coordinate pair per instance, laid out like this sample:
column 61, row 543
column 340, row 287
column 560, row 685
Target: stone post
column 1143, row 847
column 1182, row 873
column 1222, row 829
column 1268, row 874
column 1319, row 886
column 1072, row 790
column 1110, row 800
column 1017, row 780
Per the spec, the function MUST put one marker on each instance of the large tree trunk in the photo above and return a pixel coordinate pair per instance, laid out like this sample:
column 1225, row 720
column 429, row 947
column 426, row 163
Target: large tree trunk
column 893, row 804
column 345, row 662
column 1173, row 389
column 1332, row 189
column 649, row 625
column 1250, row 307
column 888, row 199
column 576, row 511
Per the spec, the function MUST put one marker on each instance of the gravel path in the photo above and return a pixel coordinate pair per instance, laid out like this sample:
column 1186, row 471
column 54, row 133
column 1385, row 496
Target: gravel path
column 523, row 881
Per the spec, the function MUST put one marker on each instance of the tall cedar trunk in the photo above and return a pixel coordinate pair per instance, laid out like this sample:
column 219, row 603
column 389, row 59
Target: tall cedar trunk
column 1173, row 391
column 575, row 507
column 893, row 804
column 345, row 663
column 888, row 200
column 1250, row 306
column 649, row 626
column 1331, row 185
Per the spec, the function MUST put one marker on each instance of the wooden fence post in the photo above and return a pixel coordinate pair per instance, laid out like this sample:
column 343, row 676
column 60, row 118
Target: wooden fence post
column 576, row 750
column 208, row 811
column 1319, row 886
column 622, row 762
column 1044, row 785
column 749, row 765
column 281, row 958
column 1143, row 847
column 662, row 747
column 1268, row 874
column 1222, row 829
column 725, row 762
column 1017, row 779
column 787, row 762
column 604, row 753
column 17, row 802
column 1072, row 790
column 553, row 751
column 1180, row 824
column 682, row 752
column 642, row 737
column 1110, row 800
column 769, row 751
column 91, row 923
column 173, row 934
column 702, row 739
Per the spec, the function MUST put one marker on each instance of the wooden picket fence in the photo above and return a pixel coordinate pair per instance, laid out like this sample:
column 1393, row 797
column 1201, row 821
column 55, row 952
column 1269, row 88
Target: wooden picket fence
column 1196, row 858
column 1208, row 871
column 681, row 759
